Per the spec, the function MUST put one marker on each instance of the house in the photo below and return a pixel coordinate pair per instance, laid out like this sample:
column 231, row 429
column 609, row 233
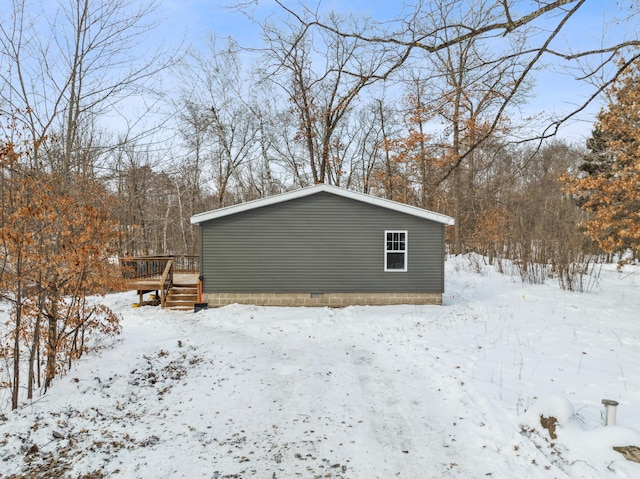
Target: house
column 322, row 246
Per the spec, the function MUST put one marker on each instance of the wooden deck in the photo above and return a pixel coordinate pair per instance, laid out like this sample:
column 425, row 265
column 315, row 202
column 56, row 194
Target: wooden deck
column 155, row 284
column 173, row 279
column 186, row 279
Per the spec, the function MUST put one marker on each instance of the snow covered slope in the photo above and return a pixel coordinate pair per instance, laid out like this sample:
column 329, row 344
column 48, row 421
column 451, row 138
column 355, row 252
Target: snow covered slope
column 360, row 392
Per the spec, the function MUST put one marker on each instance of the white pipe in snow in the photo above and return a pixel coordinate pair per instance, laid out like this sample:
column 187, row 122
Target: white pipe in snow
column 609, row 412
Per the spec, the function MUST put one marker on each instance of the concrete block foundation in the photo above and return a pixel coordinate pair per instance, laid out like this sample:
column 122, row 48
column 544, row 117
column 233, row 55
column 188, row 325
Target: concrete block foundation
column 320, row 299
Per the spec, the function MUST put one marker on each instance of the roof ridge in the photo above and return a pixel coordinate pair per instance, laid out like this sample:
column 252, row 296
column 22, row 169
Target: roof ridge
column 311, row 190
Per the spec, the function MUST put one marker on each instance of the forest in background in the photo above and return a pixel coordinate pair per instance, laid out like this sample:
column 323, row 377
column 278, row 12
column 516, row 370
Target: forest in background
column 425, row 109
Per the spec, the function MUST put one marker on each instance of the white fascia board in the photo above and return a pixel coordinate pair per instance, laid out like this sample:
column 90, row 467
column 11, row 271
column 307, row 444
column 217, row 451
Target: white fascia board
column 395, row 206
column 364, row 198
column 250, row 205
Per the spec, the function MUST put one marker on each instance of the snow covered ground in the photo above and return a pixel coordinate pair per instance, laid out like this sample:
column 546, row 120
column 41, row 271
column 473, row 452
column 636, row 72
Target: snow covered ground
column 360, row 392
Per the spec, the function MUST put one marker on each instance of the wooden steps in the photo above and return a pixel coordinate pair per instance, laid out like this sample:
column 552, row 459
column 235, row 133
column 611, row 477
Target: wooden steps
column 182, row 297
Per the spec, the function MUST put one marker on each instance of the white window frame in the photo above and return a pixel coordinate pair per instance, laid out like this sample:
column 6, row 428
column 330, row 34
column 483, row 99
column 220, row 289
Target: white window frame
column 405, row 251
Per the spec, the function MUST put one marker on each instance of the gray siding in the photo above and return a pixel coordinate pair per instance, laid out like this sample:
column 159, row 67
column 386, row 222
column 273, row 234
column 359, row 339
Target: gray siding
column 318, row 244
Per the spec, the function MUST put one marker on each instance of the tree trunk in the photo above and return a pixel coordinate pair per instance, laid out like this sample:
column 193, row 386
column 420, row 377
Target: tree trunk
column 35, row 347
column 16, row 340
column 52, row 341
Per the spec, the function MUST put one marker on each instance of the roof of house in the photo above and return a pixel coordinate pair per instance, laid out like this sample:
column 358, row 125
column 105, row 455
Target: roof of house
column 312, row 190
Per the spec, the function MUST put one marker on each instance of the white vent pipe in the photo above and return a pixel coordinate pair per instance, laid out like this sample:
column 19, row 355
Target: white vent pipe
column 610, row 412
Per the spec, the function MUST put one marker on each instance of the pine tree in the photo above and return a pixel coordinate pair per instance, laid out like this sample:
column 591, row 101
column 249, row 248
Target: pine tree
column 599, row 159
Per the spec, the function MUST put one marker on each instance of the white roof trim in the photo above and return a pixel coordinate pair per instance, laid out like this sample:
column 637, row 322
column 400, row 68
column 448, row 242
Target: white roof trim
column 312, row 190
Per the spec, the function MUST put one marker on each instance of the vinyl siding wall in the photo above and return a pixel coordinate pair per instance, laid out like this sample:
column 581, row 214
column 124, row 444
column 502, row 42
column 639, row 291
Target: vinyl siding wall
column 322, row 243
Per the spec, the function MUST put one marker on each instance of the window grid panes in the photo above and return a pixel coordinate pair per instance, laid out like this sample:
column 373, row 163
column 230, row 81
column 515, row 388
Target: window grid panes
column 395, row 251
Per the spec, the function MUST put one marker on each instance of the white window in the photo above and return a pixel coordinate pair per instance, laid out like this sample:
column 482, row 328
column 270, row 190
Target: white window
column 395, row 251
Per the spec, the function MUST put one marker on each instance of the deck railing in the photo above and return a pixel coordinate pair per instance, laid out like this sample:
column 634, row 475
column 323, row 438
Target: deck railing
column 186, row 263
column 150, row 267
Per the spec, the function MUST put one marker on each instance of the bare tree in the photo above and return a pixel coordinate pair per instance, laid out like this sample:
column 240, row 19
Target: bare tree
column 322, row 74
column 471, row 83
column 421, row 32
column 59, row 76
column 220, row 116
column 369, row 145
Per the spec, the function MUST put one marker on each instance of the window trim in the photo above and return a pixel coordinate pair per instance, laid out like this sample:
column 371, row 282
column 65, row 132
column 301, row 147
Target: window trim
column 405, row 251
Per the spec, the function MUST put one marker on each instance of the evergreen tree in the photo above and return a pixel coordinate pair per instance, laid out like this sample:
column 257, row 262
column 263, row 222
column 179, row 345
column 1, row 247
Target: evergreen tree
column 599, row 159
